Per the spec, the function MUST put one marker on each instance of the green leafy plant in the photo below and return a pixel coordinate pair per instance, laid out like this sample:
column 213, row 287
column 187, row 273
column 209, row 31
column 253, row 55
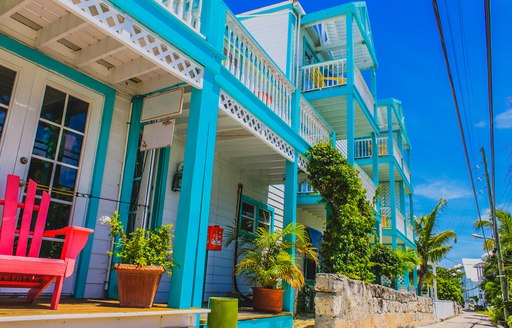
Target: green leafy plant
column 345, row 247
column 431, row 246
column 151, row 247
column 267, row 259
column 384, row 262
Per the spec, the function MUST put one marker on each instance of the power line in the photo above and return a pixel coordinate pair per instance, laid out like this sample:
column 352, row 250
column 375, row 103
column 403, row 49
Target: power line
column 454, row 95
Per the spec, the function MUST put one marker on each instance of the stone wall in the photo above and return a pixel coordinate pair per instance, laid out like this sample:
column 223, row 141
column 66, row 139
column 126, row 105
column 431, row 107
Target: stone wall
column 344, row 303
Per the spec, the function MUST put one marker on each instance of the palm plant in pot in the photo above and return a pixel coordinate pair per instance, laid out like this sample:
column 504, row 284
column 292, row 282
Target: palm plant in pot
column 267, row 261
column 144, row 255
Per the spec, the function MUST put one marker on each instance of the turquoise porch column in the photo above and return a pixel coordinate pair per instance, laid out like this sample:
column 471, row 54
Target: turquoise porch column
column 290, row 216
column 291, row 182
column 194, row 204
column 350, row 82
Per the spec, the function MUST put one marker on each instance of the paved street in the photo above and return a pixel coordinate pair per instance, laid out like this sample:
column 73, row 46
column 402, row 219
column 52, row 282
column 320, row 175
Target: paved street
column 466, row 320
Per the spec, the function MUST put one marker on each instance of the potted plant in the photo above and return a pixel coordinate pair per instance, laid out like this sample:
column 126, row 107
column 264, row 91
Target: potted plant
column 268, row 262
column 144, row 256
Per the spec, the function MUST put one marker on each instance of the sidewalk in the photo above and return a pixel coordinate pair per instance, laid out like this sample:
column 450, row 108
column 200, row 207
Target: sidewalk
column 465, row 320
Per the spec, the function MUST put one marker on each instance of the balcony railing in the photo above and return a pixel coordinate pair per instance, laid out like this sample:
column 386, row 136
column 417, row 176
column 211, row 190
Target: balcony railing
column 386, row 218
column 400, row 222
column 410, row 231
column 367, row 183
column 188, row 11
column 312, row 127
column 306, row 188
column 323, row 75
column 363, row 89
column 251, row 66
column 341, row 146
column 363, row 147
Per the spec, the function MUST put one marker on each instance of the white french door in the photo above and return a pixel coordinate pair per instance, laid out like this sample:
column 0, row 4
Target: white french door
column 49, row 129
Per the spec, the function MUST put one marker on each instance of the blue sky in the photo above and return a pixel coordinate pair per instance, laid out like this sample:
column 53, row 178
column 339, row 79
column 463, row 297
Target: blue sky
column 412, row 69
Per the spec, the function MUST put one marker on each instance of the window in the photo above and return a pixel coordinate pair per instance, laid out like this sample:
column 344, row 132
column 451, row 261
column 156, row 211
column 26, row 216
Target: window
column 254, row 215
column 7, row 78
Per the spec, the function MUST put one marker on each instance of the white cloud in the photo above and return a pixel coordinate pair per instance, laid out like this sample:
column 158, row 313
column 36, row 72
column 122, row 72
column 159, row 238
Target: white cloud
column 504, row 120
column 438, row 189
column 481, row 124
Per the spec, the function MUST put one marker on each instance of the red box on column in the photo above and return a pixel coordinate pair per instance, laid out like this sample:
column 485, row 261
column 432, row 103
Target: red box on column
column 214, row 242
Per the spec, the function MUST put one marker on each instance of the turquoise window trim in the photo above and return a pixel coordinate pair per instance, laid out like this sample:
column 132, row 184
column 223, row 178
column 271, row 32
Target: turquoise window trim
column 258, row 205
column 109, row 94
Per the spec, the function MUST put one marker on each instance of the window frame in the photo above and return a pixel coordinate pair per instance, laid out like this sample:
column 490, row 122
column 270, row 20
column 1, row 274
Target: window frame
column 257, row 207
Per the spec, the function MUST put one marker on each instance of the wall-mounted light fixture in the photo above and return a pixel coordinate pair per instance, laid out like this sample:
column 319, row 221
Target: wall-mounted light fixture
column 176, row 179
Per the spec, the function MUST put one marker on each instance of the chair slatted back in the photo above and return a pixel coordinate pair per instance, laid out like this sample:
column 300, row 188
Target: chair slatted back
column 9, row 219
column 9, row 216
column 37, row 238
column 21, row 249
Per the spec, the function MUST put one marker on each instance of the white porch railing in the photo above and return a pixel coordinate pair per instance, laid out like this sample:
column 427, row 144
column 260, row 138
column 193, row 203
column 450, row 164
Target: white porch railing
column 397, row 154
column 188, row 11
column 363, row 147
column 363, row 89
column 251, row 66
column 400, row 223
column 341, row 146
column 386, row 218
column 407, row 173
column 367, row 183
column 410, row 231
column 312, row 128
column 323, row 75
column 306, row 188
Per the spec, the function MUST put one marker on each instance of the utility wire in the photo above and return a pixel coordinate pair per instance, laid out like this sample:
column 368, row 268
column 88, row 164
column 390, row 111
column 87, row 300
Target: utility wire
column 454, row 95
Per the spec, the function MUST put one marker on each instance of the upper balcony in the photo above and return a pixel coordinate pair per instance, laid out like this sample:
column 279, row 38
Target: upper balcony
column 187, row 11
column 363, row 150
column 256, row 70
column 337, row 68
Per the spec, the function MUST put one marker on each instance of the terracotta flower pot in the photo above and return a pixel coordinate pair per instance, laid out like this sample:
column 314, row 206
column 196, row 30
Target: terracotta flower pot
column 267, row 300
column 137, row 285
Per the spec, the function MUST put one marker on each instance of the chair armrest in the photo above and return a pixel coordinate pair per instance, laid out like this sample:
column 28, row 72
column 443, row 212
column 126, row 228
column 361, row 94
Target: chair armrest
column 75, row 239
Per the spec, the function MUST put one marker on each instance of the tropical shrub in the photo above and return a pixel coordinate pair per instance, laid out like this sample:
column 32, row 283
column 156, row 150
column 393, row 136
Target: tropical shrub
column 384, row 262
column 267, row 260
column 449, row 285
column 345, row 247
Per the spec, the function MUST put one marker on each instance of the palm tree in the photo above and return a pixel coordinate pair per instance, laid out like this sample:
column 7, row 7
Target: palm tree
column 504, row 229
column 505, row 232
column 430, row 245
column 267, row 259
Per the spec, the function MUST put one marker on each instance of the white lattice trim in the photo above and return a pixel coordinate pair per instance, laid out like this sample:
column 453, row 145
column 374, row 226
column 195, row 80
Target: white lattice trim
column 255, row 126
column 129, row 32
column 303, row 164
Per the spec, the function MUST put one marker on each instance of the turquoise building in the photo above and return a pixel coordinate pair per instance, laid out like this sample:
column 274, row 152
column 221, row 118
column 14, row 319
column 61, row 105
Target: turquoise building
column 234, row 102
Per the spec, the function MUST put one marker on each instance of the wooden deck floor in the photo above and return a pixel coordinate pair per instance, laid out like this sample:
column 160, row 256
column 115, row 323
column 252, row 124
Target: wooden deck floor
column 13, row 306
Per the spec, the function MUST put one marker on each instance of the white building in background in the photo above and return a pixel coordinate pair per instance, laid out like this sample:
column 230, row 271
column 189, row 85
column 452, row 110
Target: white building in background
column 473, row 269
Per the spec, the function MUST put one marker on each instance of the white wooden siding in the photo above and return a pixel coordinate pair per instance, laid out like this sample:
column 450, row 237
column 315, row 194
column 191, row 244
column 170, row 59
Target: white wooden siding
column 110, row 189
column 271, row 32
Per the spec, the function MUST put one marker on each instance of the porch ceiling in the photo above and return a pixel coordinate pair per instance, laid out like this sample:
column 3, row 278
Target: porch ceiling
column 69, row 35
column 329, row 37
column 334, row 111
column 240, row 148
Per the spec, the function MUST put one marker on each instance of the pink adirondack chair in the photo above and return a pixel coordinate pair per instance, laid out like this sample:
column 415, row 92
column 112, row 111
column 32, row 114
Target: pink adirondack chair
column 19, row 269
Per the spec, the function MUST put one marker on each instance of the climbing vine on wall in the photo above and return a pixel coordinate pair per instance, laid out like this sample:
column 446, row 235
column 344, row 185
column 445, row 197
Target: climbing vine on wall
column 345, row 247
